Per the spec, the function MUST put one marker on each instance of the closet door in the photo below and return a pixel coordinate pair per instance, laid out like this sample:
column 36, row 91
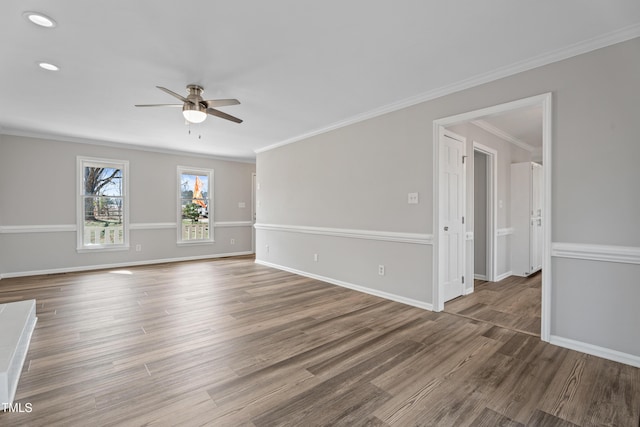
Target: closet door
column 536, row 190
column 526, row 218
column 536, row 217
column 521, row 219
column 536, row 244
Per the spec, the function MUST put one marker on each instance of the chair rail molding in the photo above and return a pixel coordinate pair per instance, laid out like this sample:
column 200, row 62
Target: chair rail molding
column 386, row 236
column 51, row 228
column 64, row 228
column 233, row 224
column 590, row 252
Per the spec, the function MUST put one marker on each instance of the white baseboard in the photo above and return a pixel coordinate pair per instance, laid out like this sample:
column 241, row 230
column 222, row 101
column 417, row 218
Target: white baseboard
column 467, row 291
column 118, row 265
column 594, row 350
column 503, row 276
column 480, row 277
column 374, row 292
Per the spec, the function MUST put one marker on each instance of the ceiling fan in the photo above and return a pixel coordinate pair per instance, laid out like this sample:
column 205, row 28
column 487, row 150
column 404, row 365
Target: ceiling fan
column 194, row 108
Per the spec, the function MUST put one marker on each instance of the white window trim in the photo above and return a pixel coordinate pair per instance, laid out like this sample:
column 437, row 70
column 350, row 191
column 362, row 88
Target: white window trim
column 81, row 163
column 194, row 171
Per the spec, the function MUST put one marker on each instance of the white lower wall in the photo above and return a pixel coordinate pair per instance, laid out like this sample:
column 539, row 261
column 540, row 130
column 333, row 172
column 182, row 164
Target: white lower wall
column 353, row 261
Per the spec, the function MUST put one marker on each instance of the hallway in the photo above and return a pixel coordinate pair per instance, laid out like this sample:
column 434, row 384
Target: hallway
column 513, row 303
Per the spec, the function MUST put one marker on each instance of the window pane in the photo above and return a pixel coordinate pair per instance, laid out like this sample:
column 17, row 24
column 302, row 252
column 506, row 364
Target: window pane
column 103, row 218
column 194, row 186
column 103, row 209
column 194, row 206
column 102, row 181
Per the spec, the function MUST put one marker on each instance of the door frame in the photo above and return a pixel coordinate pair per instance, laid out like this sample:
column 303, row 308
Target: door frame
column 492, row 210
column 545, row 101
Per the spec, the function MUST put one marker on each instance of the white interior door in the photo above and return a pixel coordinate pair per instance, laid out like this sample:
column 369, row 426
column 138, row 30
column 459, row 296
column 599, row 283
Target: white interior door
column 451, row 215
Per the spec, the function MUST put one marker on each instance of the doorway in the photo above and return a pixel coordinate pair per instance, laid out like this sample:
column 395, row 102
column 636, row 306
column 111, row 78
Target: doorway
column 485, row 189
column 440, row 253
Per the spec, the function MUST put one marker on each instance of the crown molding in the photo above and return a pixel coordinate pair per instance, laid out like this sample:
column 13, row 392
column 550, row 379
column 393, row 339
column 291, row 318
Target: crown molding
column 503, row 135
column 614, row 37
column 120, row 145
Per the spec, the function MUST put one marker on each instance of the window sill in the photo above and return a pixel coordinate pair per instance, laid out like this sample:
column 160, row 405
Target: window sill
column 195, row 242
column 88, row 250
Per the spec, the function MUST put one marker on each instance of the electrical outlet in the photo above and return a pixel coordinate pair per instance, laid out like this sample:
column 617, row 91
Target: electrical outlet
column 267, row 248
column 233, row 241
column 315, row 257
column 242, row 205
column 412, row 198
column 138, row 248
column 381, row 270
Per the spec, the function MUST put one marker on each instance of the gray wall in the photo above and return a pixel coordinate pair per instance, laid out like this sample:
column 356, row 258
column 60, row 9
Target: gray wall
column 359, row 176
column 38, row 187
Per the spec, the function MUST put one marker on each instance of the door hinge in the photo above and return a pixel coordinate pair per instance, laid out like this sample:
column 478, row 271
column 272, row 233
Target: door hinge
column 463, row 159
column 463, row 280
column 463, row 220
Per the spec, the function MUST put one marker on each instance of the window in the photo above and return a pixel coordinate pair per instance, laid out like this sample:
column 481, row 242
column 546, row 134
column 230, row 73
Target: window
column 102, row 204
column 195, row 208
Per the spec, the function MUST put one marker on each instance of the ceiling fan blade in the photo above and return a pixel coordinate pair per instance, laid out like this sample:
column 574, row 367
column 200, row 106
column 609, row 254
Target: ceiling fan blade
column 172, row 93
column 159, row 105
column 221, row 102
column 222, row 115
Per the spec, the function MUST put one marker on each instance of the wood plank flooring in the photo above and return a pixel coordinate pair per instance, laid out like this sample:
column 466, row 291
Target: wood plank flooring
column 513, row 303
column 230, row 343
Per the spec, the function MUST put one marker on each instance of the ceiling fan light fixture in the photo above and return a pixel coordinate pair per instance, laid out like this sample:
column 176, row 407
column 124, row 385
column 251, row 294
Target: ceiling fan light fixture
column 48, row 66
column 39, row 19
column 193, row 113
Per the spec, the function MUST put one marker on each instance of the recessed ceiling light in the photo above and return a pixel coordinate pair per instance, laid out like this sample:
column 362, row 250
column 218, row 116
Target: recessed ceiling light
column 48, row 66
column 40, row 19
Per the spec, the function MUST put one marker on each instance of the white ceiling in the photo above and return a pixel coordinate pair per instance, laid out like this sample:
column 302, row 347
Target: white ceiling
column 522, row 126
column 296, row 66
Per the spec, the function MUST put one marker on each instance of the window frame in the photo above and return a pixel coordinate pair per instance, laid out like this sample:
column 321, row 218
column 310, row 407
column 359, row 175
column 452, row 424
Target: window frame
column 181, row 170
column 123, row 165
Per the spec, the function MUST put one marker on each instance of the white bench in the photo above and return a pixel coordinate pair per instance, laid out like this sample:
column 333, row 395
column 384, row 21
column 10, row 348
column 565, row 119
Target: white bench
column 17, row 320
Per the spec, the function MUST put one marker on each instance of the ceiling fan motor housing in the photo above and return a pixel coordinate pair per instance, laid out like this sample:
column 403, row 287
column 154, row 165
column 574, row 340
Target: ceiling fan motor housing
column 194, row 110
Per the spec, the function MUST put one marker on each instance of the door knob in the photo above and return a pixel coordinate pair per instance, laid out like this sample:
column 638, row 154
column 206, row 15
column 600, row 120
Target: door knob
column 446, row 229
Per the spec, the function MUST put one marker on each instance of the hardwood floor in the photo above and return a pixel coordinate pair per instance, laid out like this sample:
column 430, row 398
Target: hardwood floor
column 231, row 343
column 514, row 303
